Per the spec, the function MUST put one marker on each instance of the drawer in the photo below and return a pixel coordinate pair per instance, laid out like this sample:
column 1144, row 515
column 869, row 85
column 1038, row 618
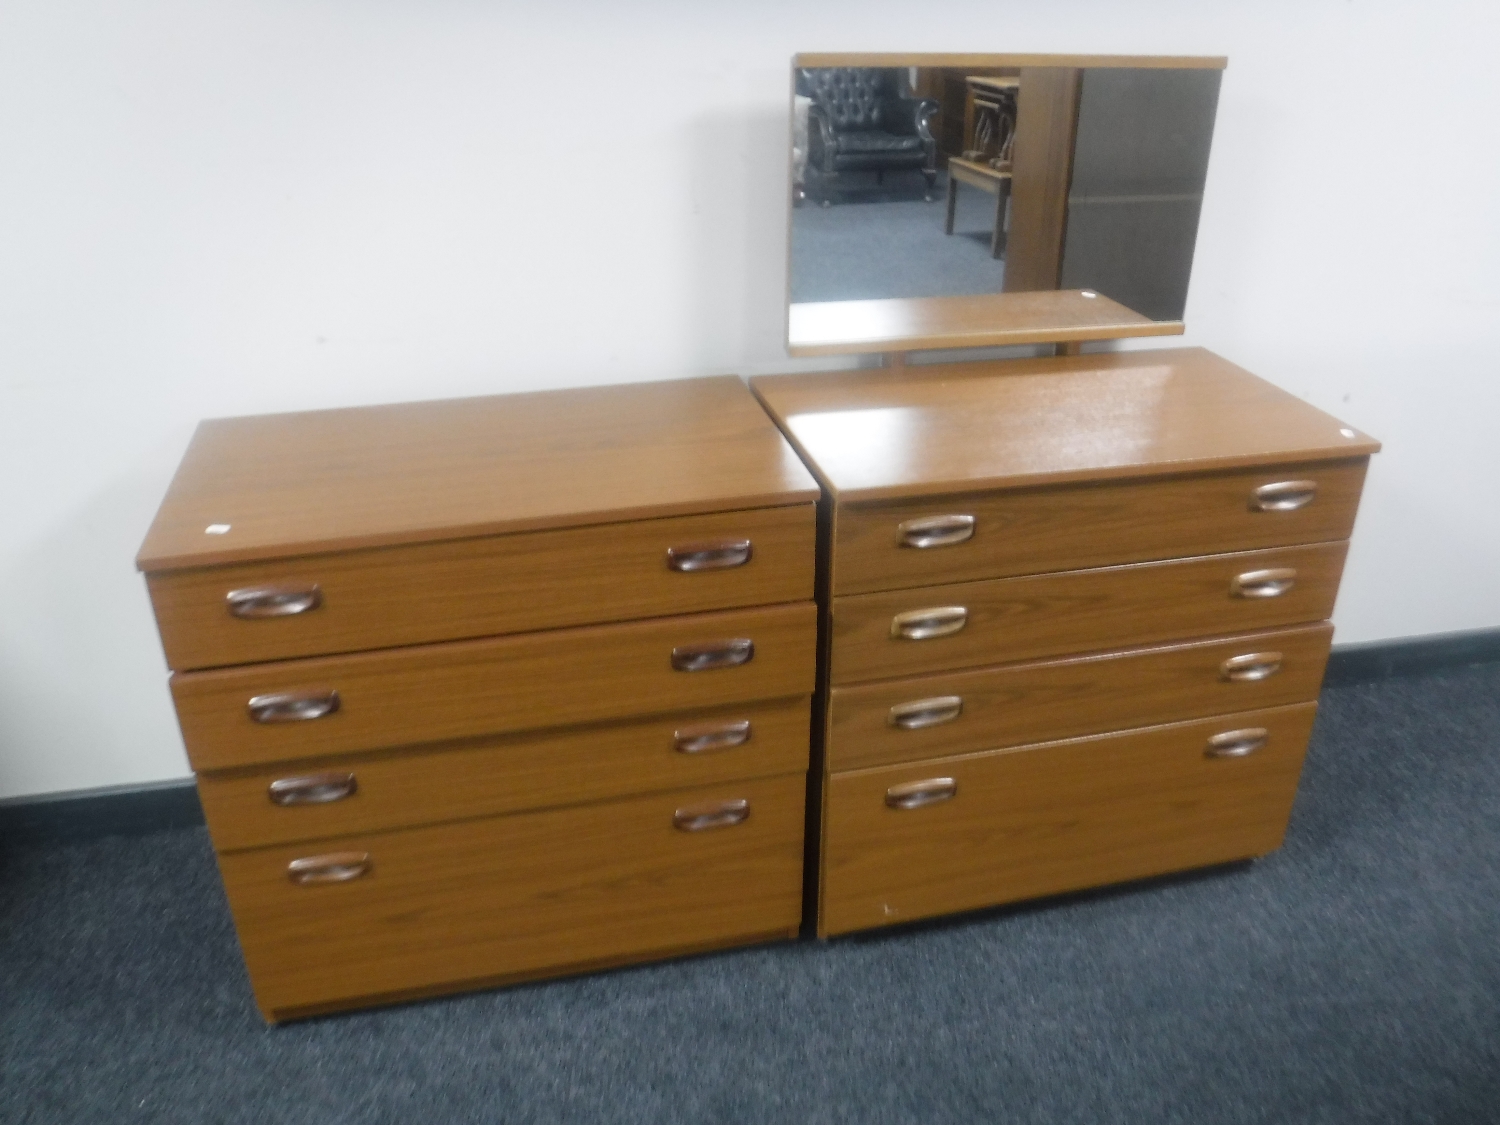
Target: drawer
column 1044, row 819
column 972, row 624
column 504, row 898
column 464, row 689
column 1030, row 531
column 400, row 789
column 483, row 587
column 960, row 712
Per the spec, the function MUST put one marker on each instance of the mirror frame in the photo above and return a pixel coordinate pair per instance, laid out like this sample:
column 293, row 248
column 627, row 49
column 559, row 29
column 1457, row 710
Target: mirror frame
column 898, row 325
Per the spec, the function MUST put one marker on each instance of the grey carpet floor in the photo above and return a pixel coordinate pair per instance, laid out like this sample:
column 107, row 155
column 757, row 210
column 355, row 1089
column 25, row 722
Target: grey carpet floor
column 1354, row 976
column 881, row 244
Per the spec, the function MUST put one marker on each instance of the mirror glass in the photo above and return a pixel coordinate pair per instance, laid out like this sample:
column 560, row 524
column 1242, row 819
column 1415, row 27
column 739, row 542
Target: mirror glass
column 942, row 182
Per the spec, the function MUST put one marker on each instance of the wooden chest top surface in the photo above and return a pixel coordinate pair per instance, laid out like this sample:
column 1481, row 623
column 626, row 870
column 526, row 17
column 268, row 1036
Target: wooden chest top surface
column 288, row 484
column 928, row 430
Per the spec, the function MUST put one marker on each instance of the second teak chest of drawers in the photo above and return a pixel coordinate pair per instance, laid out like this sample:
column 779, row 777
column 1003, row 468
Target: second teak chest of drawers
column 491, row 689
column 1076, row 620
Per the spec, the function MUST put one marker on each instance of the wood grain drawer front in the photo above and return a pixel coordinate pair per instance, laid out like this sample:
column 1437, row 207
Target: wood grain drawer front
column 1041, row 820
column 962, row 712
column 972, row 624
column 370, row 599
column 465, row 689
column 483, row 777
column 1032, row 531
column 508, row 897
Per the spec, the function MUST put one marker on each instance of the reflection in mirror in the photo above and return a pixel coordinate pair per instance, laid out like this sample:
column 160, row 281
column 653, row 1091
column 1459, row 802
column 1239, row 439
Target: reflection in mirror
column 940, row 176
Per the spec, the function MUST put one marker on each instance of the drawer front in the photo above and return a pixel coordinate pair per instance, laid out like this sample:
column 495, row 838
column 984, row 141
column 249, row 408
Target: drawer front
column 963, row 712
column 1057, row 817
column 483, row 587
column 372, row 792
column 465, row 689
column 977, row 623
column 1031, row 531
column 516, row 896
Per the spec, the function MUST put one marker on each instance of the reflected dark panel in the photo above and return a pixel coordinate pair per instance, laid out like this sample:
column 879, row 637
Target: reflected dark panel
column 1140, row 161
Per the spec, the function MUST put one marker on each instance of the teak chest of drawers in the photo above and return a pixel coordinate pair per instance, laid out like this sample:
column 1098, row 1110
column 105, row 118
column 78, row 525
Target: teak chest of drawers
column 492, row 689
column 1076, row 620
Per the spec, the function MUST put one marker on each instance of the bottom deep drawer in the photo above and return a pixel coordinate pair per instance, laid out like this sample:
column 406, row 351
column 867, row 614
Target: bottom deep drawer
column 958, row 833
column 389, row 915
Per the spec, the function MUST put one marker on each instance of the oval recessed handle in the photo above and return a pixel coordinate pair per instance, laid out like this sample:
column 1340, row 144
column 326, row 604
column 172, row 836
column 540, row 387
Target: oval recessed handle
column 335, row 867
column 292, row 706
column 936, row 531
column 915, row 794
column 925, row 624
column 273, row 601
column 1283, row 496
column 922, row 713
column 704, row 738
column 1250, row 667
column 713, row 654
column 312, row 789
column 1263, row 583
column 713, row 814
column 1237, row 743
column 719, row 555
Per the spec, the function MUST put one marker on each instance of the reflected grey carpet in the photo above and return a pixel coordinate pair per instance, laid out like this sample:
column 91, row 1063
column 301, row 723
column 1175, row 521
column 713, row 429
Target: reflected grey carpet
column 891, row 244
column 1352, row 977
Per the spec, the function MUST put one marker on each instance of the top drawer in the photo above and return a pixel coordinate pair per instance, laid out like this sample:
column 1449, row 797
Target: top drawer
column 379, row 598
column 932, row 540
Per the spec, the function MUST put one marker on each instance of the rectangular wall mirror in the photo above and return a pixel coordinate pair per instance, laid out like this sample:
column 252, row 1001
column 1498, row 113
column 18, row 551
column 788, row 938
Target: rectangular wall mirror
column 972, row 200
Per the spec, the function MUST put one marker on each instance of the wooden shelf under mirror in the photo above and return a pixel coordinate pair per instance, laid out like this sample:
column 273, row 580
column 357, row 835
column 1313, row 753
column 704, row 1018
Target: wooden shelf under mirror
column 978, row 321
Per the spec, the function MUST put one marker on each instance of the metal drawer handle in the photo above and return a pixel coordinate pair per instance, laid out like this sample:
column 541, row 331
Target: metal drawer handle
column 293, row 706
column 1237, row 743
column 713, row 654
column 313, row 789
column 915, row 794
column 719, row 555
column 1263, row 583
column 925, row 624
column 273, row 601
column 936, row 531
column 1250, row 667
column 921, row 713
column 1283, row 496
column 706, row 737
column 716, row 814
column 335, row 867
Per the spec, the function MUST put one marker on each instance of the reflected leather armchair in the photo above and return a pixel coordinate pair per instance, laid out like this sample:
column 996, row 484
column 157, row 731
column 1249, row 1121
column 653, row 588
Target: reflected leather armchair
column 859, row 121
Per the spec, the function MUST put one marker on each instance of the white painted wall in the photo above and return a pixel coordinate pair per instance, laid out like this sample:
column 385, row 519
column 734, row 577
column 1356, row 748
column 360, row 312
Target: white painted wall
column 265, row 205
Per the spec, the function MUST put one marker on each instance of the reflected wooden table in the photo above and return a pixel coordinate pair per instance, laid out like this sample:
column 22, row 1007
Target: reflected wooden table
column 985, row 178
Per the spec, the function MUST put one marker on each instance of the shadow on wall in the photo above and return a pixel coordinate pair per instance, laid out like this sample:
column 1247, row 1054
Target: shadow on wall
column 739, row 194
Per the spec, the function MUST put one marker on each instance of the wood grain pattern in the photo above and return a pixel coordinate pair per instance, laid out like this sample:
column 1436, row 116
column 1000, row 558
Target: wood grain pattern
column 1079, row 611
column 485, row 777
column 903, row 324
column 483, row 587
column 547, row 972
column 1056, row 699
column 293, row 484
column 1029, row 531
column 518, row 895
column 1042, row 820
column 950, row 428
column 973, row 61
column 1046, row 123
column 464, row 689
